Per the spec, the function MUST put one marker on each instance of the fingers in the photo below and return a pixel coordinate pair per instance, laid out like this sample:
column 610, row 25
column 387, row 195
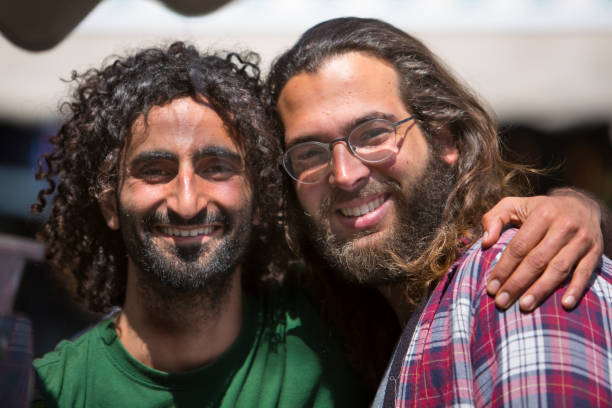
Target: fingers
column 556, row 234
column 525, row 257
column 504, row 212
column 580, row 251
column 580, row 280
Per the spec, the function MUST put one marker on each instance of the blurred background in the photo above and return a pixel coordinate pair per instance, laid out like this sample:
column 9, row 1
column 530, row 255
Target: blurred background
column 543, row 66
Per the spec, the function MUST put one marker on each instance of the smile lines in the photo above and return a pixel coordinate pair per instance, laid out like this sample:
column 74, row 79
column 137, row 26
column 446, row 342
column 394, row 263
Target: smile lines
column 193, row 232
column 363, row 209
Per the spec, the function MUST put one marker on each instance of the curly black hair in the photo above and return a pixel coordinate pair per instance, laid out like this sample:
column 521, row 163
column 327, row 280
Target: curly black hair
column 84, row 164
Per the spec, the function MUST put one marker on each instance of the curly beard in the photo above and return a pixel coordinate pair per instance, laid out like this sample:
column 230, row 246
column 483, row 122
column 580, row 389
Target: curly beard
column 175, row 274
column 420, row 212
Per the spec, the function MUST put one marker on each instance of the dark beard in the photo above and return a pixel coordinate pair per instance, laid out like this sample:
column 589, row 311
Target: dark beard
column 192, row 272
column 420, row 214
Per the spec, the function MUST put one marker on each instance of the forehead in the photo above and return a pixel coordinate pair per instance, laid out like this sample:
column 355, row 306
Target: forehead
column 181, row 126
column 345, row 87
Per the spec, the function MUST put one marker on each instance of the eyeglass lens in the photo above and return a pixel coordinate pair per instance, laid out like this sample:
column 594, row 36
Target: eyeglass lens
column 372, row 142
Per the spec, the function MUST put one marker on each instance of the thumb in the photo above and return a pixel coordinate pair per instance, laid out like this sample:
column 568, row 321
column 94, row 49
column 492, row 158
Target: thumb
column 503, row 213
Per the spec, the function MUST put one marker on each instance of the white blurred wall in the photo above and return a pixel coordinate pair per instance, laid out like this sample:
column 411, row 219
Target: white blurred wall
column 540, row 61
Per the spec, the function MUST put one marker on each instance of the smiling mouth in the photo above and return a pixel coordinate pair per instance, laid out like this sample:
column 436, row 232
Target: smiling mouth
column 187, row 232
column 363, row 209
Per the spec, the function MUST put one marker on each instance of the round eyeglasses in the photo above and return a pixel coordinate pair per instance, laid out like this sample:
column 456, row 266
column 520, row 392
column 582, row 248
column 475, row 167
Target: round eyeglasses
column 372, row 142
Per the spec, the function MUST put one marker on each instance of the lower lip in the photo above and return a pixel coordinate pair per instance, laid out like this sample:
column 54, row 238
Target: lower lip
column 368, row 220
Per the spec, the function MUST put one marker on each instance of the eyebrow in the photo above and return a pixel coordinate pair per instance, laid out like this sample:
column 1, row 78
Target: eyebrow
column 218, row 151
column 151, row 155
column 207, row 151
column 346, row 129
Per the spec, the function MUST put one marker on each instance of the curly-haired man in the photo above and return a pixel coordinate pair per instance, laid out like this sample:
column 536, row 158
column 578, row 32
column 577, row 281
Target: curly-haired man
column 167, row 204
column 393, row 163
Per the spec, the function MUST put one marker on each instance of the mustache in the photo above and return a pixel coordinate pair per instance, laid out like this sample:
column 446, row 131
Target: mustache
column 170, row 217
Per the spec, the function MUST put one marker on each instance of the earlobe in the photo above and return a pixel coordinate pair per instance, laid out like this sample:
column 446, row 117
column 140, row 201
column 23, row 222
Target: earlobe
column 449, row 152
column 108, row 205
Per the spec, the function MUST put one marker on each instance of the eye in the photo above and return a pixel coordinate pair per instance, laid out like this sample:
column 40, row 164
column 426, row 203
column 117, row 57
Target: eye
column 310, row 154
column 369, row 136
column 305, row 154
column 218, row 169
column 154, row 174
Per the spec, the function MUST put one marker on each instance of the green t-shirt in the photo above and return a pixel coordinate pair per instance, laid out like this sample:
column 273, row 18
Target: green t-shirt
column 282, row 358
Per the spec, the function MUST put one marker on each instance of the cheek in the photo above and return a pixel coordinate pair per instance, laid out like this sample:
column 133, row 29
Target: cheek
column 137, row 197
column 309, row 196
column 234, row 195
column 411, row 165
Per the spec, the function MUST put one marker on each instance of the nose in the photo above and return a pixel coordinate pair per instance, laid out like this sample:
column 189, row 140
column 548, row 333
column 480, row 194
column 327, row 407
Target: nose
column 347, row 171
column 186, row 197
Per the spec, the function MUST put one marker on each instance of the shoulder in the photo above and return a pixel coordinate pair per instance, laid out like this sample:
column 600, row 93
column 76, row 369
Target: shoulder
column 476, row 262
column 67, row 363
column 487, row 351
column 465, row 282
column 314, row 363
column 544, row 346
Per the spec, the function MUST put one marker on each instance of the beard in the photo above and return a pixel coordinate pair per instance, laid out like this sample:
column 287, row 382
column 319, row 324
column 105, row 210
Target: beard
column 202, row 270
column 382, row 261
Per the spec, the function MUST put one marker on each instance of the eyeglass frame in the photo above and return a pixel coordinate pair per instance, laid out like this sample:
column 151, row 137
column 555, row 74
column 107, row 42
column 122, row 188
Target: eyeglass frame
column 329, row 145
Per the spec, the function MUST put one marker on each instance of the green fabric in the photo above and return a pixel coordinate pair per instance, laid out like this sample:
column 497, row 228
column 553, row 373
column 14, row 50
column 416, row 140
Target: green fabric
column 281, row 358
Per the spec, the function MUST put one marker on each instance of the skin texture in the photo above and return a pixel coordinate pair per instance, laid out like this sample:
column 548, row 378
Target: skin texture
column 182, row 164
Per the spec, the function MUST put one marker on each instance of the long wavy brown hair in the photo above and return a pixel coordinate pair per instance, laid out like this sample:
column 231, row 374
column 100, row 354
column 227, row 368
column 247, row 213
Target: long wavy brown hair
column 88, row 256
column 440, row 104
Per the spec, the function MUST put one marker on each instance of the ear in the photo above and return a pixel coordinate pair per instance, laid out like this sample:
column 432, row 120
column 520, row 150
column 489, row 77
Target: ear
column 108, row 205
column 448, row 152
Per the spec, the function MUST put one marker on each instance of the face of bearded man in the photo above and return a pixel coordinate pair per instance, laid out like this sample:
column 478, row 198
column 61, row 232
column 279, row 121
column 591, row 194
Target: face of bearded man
column 374, row 262
column 184, row 205
column 363, row 215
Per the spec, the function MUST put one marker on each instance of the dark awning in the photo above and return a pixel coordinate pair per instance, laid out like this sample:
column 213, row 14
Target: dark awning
column 38, row 25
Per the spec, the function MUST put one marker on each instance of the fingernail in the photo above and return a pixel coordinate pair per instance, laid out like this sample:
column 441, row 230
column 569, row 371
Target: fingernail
column 569, row 301
column 502, row 300
column 493, row 286
column 528, row 302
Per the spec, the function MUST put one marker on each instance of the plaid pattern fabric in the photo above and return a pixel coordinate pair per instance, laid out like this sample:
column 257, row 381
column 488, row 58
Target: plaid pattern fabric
column 15, row 361
column 466, row 352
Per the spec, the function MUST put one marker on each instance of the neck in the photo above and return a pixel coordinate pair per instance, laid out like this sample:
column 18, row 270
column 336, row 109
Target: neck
column 396, row 296
column 178, row 337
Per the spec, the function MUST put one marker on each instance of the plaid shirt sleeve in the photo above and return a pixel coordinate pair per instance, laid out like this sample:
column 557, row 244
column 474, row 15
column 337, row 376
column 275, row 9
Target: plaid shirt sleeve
column 466, row 352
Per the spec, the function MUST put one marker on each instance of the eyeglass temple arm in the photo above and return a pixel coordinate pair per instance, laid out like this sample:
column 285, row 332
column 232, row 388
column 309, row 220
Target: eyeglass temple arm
column 401, row 122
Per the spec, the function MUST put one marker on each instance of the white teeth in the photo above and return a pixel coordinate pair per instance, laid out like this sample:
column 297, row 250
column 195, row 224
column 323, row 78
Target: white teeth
column 363, row 209
column 175, row 232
